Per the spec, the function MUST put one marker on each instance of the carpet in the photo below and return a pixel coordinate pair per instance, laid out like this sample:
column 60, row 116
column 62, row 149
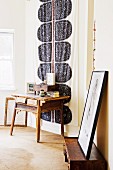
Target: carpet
column 22, row 152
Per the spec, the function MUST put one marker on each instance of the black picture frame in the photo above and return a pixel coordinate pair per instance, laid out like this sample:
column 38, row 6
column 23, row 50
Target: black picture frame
column 91, row 111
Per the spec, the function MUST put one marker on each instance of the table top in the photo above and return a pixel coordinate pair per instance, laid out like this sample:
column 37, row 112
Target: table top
column 37, row 97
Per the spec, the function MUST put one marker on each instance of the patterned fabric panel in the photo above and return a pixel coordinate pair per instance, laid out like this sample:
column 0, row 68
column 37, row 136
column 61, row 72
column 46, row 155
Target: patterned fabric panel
column 58, row 47
column 66, row 114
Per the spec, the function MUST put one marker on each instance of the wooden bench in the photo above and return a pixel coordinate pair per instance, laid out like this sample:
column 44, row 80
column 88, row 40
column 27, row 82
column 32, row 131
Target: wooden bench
column 76, row 159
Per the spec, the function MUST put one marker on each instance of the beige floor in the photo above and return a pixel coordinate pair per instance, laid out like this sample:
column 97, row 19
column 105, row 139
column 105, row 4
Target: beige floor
column 22, row 152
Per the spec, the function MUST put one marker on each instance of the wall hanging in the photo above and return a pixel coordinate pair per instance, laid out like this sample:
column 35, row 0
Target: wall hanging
column 57, row 52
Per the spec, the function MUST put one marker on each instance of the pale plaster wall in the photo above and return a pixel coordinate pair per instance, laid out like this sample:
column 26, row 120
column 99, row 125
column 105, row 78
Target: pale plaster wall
column 83, row 35
column 30, row 33
column 103, row 14
column 12, row 16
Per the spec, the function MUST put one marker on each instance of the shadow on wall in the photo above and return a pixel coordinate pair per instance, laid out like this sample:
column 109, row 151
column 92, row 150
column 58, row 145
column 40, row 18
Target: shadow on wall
column 102, row 127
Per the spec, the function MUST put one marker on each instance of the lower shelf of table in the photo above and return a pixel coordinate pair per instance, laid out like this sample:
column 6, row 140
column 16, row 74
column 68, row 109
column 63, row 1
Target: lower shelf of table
column 76, row 159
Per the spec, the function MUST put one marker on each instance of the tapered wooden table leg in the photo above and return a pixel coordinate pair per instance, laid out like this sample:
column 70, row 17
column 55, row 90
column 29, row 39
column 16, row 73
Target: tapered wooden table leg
column 26, row 114
column 62, row 119
column 13, row 121
column 38, row 122
column 6, row 109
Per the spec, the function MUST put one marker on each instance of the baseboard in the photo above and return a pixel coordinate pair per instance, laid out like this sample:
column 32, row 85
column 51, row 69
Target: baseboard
column 69, row 130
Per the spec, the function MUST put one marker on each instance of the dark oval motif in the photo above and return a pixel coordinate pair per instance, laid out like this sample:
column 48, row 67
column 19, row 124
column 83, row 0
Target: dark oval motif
column 45, row 12
column 43, row 69
column 67, row 115
column 44, row 52
column 46, row 116
column 63, row 72
column 62, row 9
column 63, row 30
column 44, row 32
column 64, row 90
column 62, row 51
column 45, row 0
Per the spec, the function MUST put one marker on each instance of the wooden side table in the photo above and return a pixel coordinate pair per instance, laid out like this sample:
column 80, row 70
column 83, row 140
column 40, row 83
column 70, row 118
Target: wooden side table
column 76, row 159
column 43, row 104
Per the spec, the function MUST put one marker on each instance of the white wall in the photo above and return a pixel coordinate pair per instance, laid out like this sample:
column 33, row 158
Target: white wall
column 83, row 35
column 104, row 61
column 30, row 34
column 30, row 49
column 12, row 16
